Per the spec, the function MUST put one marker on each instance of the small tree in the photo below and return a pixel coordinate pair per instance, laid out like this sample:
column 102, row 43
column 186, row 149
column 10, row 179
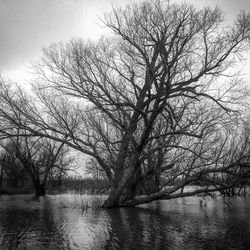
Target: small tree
column 12, row 170
column 37, row 157
column 94, row 170
column 62, row 167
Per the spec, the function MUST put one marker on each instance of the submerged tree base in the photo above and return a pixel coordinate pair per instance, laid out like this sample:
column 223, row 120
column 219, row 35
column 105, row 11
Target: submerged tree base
column 193, row 191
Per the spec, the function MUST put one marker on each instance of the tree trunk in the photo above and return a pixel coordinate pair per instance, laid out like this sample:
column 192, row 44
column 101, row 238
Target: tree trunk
column 39, row 188
column 131, row 188
column 123, row 188
column 149, row 185
column 1, row 174
column 152, row 185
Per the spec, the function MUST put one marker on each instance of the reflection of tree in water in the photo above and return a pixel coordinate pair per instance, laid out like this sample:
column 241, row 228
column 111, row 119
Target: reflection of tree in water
column 31, row 227
column 40, row 224
column 135, row 228
column 191, row 228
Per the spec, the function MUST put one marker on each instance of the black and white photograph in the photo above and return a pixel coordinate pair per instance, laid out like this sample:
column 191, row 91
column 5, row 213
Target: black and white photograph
column 124, row 124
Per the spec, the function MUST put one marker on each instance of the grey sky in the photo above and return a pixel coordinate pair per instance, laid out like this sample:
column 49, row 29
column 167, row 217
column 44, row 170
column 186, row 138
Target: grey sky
column 27, row 25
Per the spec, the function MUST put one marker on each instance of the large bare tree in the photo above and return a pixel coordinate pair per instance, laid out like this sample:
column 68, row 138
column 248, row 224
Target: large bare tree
column 151, row 102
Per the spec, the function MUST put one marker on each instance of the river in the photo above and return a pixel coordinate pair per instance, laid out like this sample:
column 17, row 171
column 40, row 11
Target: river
column 54, row 222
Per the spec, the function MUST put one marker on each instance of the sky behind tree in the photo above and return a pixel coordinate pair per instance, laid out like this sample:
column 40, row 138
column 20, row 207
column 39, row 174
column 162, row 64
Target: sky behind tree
column 28, row 25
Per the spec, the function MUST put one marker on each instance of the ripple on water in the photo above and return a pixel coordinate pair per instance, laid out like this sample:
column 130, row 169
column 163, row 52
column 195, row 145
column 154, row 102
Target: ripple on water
column 43, row 223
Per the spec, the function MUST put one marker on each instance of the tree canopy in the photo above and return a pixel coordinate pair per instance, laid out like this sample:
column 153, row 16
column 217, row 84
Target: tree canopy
column 155, row 104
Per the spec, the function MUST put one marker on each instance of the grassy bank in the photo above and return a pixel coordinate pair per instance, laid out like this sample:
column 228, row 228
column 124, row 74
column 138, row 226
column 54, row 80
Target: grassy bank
column 79, row 185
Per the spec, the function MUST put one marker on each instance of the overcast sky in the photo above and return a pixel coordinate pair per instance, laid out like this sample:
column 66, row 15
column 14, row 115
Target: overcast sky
column 28, row 25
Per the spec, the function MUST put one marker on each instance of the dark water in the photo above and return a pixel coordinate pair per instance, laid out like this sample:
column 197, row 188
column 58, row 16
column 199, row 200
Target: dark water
column 47, row 223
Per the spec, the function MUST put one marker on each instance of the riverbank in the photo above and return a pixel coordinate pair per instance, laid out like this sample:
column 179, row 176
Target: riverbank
column 69, row 185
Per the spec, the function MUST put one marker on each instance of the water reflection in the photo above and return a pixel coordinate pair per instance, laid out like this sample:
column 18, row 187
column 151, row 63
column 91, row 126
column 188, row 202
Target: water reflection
column 43, row 223
column 28, row 223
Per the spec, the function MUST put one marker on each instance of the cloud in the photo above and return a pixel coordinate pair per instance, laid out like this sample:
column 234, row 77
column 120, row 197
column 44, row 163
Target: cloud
column 27, row 25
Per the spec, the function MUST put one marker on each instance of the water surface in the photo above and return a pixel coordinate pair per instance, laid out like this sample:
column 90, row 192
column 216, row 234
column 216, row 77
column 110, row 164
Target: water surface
column 52, row 222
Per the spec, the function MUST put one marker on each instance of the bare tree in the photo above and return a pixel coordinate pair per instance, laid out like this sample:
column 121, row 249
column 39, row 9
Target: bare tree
column 39, row 157
column 64, row 165
column 135, row 101
column 2, row 164
column 94, row 170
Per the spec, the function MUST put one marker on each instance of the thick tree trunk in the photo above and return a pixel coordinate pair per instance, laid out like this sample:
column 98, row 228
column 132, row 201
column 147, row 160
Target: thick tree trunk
column 127, row 184
column 39, row 188
column 123, row 189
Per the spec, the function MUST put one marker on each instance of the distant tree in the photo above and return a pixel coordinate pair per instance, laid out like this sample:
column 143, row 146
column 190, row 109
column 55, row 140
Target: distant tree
column 37, row 157
column 152, row 103
column 94, row 170
column 12, row 170
column 64, row 165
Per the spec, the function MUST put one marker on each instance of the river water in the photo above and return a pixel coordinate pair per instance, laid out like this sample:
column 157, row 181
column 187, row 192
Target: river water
column 54, row 222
